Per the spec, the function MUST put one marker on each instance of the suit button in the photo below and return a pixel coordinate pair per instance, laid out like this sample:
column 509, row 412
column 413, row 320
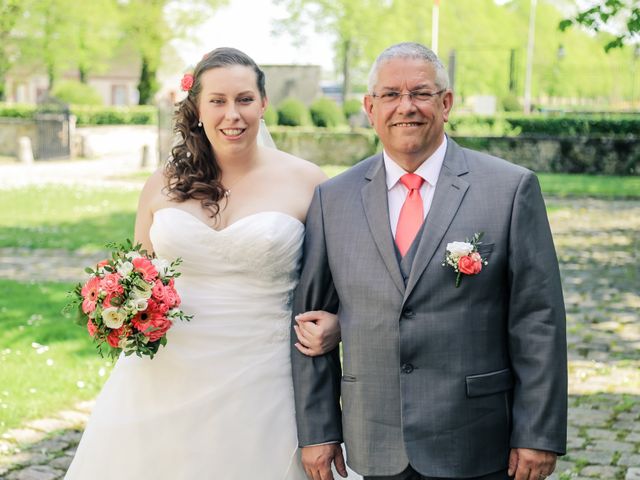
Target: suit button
column 407, row 368
column 408, row 313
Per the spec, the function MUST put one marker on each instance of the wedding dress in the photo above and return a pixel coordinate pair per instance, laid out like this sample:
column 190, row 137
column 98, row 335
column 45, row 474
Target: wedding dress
column 217, row 401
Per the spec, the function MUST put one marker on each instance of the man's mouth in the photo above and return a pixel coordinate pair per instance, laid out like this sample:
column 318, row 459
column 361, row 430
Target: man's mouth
column 407, row 124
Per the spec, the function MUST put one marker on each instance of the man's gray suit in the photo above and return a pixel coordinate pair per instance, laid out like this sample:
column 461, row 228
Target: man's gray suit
column 447, row 379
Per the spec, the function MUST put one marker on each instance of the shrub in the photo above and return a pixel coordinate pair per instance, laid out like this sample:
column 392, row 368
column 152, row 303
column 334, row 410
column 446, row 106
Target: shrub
column 293, row 113
column 134, row 115
column 352, row 107
column 326, row 113
column 72, row 91
column 510, row 103
column 17, row 110
column 270, row 116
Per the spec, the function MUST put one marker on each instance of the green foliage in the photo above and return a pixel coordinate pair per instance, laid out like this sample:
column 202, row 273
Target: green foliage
column 148, row 85
column 270, row 116
column 135, row 115
column 351, row 107
column 573, row 125
column 71, row 91
column 293, row 113
column 616, row 12
column 326, row 113
column 16, row 110
column 510, row 103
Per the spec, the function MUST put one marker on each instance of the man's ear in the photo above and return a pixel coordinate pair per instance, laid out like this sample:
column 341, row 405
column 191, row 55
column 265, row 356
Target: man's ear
column 447, row 104
column 368, row 108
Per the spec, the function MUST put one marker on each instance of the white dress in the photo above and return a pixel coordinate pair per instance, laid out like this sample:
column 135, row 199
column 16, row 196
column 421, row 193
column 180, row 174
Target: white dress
column 217, row 401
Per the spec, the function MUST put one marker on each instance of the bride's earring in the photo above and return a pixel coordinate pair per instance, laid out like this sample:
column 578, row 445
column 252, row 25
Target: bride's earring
column 199, row 123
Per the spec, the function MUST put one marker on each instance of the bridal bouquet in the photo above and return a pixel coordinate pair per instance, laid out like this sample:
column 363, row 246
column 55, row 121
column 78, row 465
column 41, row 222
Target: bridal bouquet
column 129, row 302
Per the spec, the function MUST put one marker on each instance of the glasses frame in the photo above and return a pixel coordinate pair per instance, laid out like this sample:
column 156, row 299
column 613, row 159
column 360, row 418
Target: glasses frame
column 411, row 95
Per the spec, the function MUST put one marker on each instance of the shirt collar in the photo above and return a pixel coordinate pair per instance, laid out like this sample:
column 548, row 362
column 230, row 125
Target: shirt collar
column 429, row 169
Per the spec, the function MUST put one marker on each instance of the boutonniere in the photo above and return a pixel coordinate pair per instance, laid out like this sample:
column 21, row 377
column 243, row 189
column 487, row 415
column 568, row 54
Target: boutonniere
column 464, row 257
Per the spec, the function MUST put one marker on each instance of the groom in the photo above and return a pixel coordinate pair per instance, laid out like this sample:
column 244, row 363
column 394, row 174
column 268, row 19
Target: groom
column 439, row 379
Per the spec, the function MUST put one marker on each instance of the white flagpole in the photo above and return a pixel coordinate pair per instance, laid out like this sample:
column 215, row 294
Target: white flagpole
column 434, row 26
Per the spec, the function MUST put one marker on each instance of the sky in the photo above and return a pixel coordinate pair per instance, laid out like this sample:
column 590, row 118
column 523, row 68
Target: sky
column 247, row 25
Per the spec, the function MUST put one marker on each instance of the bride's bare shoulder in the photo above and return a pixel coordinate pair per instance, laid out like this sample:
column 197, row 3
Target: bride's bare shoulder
column 298, row 167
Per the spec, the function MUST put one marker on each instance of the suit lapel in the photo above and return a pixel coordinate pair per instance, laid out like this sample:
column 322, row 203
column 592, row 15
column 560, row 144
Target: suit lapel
column 376, row 209
column 450, row 191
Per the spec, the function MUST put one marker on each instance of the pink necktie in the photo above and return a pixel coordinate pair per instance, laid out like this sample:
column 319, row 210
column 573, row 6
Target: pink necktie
column 411, row 214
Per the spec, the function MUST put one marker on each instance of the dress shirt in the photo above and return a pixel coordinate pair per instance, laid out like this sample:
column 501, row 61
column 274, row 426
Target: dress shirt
column 429, row 170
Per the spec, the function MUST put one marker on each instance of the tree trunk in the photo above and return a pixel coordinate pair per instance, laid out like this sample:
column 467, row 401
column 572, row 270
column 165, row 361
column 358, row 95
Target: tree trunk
column 84, row 74
column 346, row 67
column 148, row 85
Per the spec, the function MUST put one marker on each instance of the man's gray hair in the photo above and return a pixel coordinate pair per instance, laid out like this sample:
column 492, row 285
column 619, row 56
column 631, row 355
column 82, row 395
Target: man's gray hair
column 409, row 50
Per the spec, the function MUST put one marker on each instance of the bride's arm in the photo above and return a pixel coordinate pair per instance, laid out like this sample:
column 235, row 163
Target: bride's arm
column 318, row 332
column 144, row 216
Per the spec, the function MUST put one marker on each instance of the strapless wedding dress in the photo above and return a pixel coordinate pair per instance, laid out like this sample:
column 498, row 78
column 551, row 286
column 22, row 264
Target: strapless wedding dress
column 217, row 401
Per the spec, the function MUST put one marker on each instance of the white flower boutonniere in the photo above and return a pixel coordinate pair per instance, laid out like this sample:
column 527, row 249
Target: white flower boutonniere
column 464, row 257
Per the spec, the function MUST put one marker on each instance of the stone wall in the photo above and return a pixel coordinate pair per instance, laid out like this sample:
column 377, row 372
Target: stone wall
column 11, row 129
column 595, row 155
column 326, row 148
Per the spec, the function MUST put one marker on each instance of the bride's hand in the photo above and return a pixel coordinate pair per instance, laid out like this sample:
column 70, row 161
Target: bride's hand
column 318, row 332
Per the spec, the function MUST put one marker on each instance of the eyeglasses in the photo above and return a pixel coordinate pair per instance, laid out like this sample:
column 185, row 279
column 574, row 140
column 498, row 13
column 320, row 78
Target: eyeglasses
column 417, row 96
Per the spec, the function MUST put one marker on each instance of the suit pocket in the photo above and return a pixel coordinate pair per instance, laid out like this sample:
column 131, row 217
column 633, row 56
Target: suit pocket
column 348, row 378
column 489, row 383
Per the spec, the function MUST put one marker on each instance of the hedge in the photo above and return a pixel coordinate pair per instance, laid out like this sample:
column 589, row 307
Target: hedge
column 91, row 115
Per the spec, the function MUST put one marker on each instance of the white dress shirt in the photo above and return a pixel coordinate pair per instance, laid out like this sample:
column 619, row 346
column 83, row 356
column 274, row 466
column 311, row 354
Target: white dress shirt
column 397, row 192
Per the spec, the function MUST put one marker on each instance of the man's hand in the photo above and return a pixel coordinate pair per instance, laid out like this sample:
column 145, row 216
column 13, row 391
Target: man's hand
column 317, row 459
column 528, row 464
column 318, row 332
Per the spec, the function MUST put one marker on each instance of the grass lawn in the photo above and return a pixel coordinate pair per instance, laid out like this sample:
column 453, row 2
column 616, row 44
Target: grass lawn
column 66, row 217
column 47, row 362
column 597, row 186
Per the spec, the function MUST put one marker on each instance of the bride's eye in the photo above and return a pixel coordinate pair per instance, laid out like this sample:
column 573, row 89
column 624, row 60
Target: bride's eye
column 217, row 101
column 245, row 100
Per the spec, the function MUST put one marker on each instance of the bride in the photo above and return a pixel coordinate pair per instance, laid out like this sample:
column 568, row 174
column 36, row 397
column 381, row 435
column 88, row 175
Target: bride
column 217, row 401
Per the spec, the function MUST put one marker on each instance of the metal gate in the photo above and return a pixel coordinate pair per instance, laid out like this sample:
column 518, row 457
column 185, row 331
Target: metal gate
column 52, row 125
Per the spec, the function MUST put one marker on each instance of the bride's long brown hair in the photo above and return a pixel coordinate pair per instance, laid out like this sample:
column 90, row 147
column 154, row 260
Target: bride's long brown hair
column 192, row 170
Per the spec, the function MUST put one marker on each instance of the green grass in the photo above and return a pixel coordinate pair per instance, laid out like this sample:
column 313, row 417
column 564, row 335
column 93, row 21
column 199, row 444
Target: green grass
column 47, row 362
column 70, row 218
column 596, row 186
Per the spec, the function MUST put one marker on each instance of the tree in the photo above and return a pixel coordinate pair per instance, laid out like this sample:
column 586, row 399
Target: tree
column 148, row 25
column 356, row 25
column 621, row 16
column 10, row 13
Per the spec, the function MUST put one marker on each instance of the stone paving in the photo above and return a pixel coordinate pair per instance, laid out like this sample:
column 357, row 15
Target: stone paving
column 598, row 245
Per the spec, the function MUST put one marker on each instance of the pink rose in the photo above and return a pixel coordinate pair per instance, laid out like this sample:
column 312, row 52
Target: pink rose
column 187, row 82
column 90, row 294
column 106, row 301
column 114, row 337
column 470, row 264
column 111, row 283
column 171, row 297
column 92, row 328
column 103, row 263
column 158, row 291
column 159, row 325
column 144, row 266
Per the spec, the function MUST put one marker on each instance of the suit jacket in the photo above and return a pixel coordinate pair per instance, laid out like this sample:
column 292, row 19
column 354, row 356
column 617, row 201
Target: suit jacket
column 447, row 379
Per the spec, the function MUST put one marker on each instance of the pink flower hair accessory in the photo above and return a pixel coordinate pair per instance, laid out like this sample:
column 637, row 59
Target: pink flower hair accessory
column 187, row 82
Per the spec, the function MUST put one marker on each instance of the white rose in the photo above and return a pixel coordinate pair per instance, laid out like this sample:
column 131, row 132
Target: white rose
column 131, row 255
column 162, row 266
column 124, row 268
column 141, row 290
column 139, row 304
column 112, row 317
column 459, row 249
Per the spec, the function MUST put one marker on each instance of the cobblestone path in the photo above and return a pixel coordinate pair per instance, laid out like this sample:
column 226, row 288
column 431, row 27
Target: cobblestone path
column 598, row 244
